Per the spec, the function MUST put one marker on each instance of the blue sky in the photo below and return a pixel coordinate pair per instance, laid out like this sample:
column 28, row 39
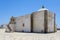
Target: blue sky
column 16, row 8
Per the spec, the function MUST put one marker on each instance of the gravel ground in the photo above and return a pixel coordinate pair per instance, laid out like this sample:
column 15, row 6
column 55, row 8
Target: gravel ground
column 29, row 36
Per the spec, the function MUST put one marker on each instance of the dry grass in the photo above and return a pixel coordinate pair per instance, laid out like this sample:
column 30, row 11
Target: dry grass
column 29, row 36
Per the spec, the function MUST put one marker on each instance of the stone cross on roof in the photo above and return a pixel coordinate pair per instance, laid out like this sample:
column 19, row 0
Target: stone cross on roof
column 43, row 7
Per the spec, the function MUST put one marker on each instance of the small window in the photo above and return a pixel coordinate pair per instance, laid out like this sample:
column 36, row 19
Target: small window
column 23, row 24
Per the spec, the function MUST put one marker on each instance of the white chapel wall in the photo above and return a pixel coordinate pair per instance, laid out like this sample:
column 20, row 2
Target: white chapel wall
column 38, row 21
column 23, row 23
column 50, row 22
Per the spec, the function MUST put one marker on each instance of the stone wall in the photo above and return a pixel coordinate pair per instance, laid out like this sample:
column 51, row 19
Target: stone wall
column 23, row 23
column 50, row 22
column 38, row 21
